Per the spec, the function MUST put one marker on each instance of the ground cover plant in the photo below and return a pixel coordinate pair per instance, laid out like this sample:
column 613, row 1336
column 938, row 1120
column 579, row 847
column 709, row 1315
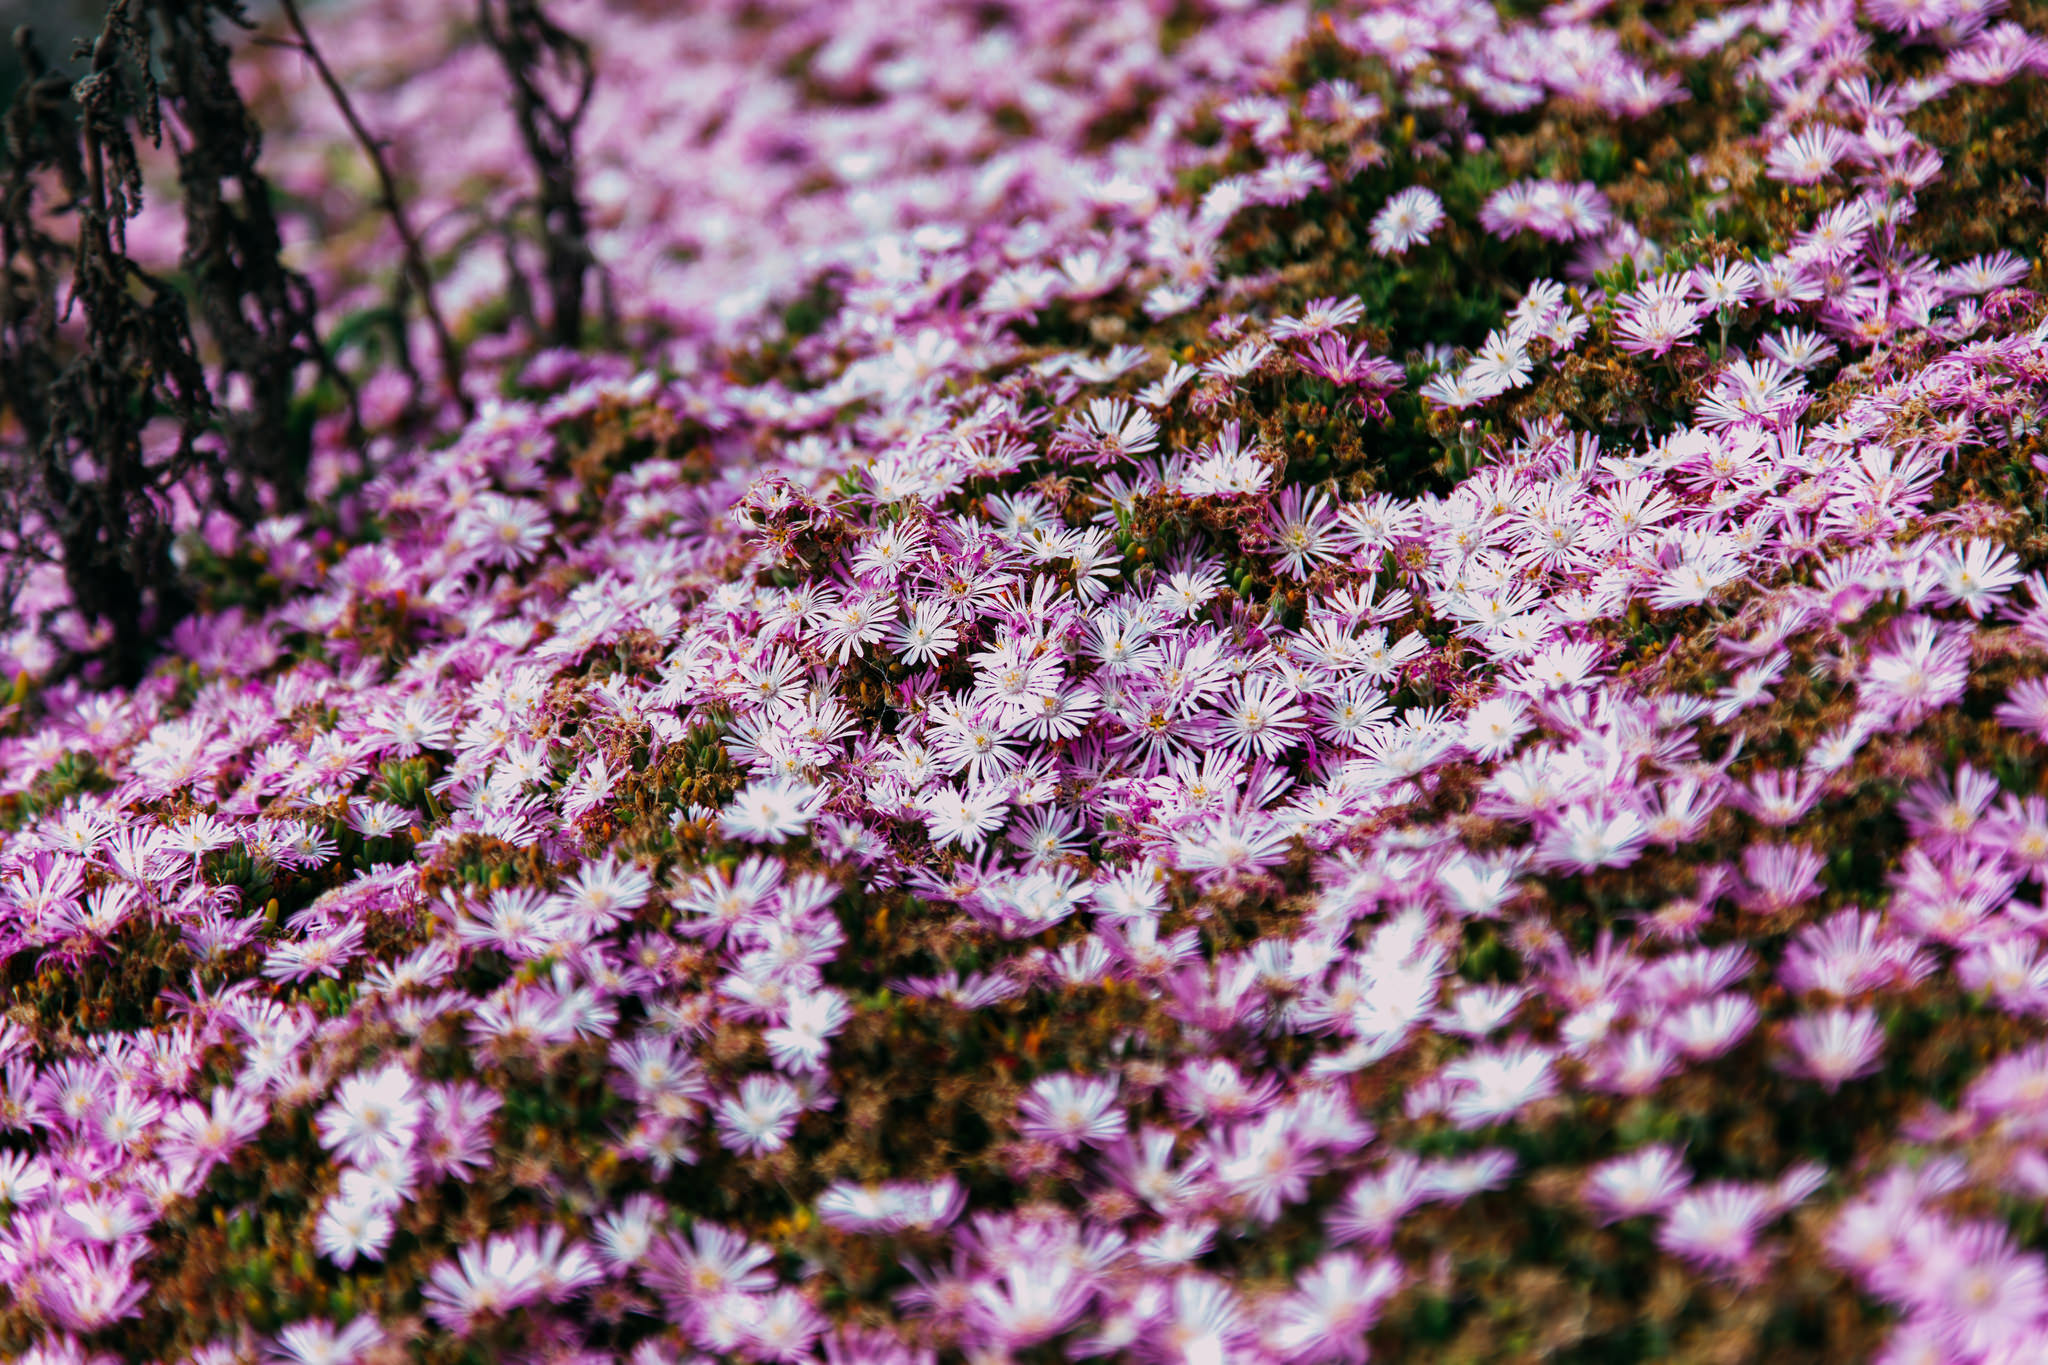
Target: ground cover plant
column 909, row 681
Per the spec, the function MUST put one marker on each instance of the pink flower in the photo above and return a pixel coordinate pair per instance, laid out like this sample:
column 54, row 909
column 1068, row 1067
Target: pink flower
column 1806, row 157
column 712, row 1262
column 1715, row 1226
column 1408, row 219
column 485, row 1279
column 1837, row 1045
column 1071, row 1112
column 373, row 1114
column 198, row 1135
column 1494, row 1085
column 761, row 1117
column 1979, row 1289
column 1333, row 1304
column 317, row 1342
column 1649, row 1180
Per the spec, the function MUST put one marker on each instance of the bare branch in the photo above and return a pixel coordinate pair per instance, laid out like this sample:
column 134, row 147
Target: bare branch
column 394, row 205
column 528, row 43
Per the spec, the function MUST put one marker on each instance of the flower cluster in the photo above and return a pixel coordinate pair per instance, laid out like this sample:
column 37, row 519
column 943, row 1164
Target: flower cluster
column 1061, row 763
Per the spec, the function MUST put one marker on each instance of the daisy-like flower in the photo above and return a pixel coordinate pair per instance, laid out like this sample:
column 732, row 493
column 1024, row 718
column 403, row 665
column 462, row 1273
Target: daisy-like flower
column 1797, row 348
column 887, row 553
column 1262, row 1166
column 926, row 635
column 1377, row 1202
column 1187, row 590
column 1239, row 362
column 1653, row 326
column 1455, row 391
column 1707, row 1028
column 860, row 620
column 1406, row 220
column 1014, row 675
column 625, row 1235
column 1516, row 208
column 517, row 921
column 1231, row 848
column 1071, row 1112
column 349, row 1230
column 1108, row 431
column 601, row 895
column 1165, row 301
column 378, row 819
column 1834, row 235
column 1918, row 667
column 1317, row 317
column 858, row 1208
column 484, row 1279
column 761, row 1117
column 199, row 836
column 106, row 1218
column 1109, row 367
column 1725, row 284
column 771, row 811
column 1806, row 157
column 1984, row 274
column 415, row 724
column 1590, row 837
column 1696, row 578
column 725, row 902
column 504, row 531
column 1164, row 389
column 965, row 817
column 1290, row 178
column 1977, row 576
column 1455, row 1180
column 1557, row 211
column 810, row 1019
column 1501, row 363
column 1494, row 727
column 1060, row 715
column 1353, row 365
column 656, row 1075
column 1304, row 531
column 1645, row 1181
column 373, row 1114
column 1028, row 1301
column 1837, row 1044
column 1980, row 1288
column 713, row 1263
column 1496, row 1084
column 316, row 1341
column 2026, row 707
column 1261, row 717
column 1350, row 713
column 1780, row 876
column 1715, row 1226
column 21, row 1178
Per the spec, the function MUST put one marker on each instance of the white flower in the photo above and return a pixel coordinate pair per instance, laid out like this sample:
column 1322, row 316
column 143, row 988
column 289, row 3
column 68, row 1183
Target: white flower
column 348, row 1230
column 771, row 811
column 373, row 1113
column 1494, row 1085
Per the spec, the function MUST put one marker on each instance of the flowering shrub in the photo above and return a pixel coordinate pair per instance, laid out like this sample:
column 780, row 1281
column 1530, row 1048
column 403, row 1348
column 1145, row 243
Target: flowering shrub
column 1202, row 683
